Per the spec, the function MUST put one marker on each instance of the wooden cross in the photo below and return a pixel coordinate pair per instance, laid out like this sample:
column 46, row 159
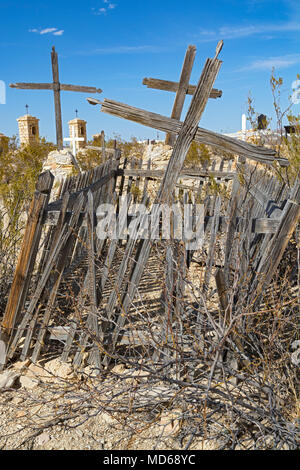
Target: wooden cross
column 182, row 88
column 57, row 87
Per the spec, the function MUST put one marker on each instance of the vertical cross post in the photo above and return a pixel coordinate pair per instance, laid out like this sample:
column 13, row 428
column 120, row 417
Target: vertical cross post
column 56, row 91
column 182, row 89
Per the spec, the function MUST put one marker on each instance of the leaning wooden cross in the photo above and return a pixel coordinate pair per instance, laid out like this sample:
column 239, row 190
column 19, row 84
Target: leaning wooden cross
column 182, row 88
column 187, row 131
column 57, row 87
column 186, row 134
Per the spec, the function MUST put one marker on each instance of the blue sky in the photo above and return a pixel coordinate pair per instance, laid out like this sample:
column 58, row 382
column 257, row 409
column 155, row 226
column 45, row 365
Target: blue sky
column 114, row 44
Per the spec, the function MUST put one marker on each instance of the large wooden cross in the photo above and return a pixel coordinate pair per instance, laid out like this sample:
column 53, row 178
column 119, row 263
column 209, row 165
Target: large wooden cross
column 57, row 87
column 182, row 88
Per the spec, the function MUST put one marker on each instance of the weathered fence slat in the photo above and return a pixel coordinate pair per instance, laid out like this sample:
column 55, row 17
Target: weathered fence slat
column 64, row 236
column 26, row 259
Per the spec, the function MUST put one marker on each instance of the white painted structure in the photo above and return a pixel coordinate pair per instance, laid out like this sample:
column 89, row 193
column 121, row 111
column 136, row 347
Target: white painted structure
column 73, row 140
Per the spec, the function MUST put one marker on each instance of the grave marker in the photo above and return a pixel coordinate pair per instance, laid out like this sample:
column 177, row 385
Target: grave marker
column 57, row 87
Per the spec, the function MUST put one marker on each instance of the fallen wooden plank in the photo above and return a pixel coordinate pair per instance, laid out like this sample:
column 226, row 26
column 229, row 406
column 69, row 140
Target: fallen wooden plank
column 184, row 174
column 258, row 225
column 168, row 125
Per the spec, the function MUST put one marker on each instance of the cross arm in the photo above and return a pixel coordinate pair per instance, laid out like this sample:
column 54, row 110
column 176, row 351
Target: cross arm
column 80, row 89
column 49, row 86
column 165, row 124
column 32, row 86
column 167, row 85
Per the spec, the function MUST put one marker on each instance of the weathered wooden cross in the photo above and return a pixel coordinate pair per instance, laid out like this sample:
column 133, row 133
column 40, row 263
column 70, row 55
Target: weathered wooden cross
column 57, row 87
column 187, row 131
column 182, row 88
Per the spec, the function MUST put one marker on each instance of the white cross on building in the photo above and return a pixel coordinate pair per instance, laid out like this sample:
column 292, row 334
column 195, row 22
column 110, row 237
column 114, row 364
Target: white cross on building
column 74, row 139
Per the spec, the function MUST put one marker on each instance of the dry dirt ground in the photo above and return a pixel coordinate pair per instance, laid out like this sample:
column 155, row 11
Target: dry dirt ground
column 40, row 410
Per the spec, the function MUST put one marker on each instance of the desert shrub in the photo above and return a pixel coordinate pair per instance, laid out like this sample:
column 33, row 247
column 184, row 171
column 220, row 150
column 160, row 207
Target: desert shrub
column 130, row 148
column 198, row 155
column 286, row 147
column 89, row 159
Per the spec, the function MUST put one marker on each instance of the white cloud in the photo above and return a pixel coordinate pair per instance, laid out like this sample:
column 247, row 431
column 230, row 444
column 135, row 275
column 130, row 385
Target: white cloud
column 123, row 50
column 233, row 32
column 48, row 30
column 54, row 31
column 103, row 10
column 278, row 62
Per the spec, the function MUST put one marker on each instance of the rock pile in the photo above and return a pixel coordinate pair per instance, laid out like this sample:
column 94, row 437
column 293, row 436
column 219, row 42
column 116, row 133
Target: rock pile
column 159, row 154
column 61, row 163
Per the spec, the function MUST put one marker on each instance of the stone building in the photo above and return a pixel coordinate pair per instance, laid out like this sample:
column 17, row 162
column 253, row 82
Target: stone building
column 28, row 129
column 77, row 128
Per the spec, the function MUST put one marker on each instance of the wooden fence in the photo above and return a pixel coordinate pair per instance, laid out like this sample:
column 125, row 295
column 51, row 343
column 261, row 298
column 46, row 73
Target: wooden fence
column 60, row 243
column 81, row 290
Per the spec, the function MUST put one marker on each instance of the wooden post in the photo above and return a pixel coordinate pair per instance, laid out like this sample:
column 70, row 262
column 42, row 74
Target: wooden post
column 56, row 91
column 27, row 257
column 182, row 89
column 103, row 146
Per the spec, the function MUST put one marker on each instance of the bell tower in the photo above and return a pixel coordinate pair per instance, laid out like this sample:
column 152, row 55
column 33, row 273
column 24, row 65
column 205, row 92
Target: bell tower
column 28, row 129
column 77, row 128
